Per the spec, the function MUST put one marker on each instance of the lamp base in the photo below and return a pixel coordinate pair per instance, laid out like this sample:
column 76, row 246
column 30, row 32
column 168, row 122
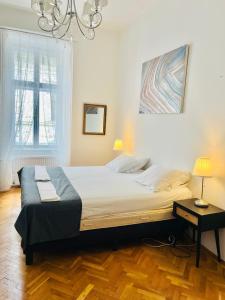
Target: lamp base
column 201, row 203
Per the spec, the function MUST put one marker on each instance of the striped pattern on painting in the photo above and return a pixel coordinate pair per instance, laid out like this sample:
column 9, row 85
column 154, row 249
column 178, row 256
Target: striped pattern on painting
column 163, row 82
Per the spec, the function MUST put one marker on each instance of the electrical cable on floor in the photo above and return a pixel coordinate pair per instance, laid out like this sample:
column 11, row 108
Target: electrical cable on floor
column 158, row 244
column 154, row 243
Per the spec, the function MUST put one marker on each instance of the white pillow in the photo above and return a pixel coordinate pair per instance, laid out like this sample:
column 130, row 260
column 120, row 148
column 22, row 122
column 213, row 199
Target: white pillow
column 139, row 164
column 159, row 179
column 127, row 164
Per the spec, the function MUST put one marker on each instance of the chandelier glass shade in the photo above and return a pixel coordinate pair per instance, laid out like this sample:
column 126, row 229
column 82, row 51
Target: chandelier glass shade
column 56, row 16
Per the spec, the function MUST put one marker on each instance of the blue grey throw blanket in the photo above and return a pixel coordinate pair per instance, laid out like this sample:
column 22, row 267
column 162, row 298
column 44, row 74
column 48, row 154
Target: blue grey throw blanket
column 47, row 221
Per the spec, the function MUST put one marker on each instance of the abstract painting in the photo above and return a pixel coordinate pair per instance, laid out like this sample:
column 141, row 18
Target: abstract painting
column 163, row 83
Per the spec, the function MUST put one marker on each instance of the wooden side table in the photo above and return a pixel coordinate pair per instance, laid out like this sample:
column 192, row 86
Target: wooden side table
column 201, row 219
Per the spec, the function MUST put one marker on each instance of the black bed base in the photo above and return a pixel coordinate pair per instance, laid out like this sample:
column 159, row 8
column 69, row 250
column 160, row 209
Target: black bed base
column 112, row 236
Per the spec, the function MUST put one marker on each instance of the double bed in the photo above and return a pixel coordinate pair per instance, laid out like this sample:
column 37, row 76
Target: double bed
column 106, row 202
column 115, row 199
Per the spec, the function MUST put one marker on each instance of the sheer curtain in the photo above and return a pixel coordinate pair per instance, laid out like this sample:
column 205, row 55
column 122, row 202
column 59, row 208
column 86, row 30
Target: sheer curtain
column 35, row 99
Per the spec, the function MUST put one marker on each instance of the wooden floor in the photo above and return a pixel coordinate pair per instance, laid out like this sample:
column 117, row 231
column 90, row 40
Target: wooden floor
column 132, row 272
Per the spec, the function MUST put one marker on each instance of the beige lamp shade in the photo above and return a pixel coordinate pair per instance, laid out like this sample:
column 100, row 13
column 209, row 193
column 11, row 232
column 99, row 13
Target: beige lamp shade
column 118, row 145
column 203, row 167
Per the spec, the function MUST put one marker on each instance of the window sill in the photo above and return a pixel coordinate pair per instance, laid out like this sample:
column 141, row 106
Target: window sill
column 34, row 152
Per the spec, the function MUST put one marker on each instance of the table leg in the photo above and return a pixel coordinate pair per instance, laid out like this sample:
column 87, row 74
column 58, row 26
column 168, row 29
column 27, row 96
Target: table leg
column 198, row 247
column 217, row 238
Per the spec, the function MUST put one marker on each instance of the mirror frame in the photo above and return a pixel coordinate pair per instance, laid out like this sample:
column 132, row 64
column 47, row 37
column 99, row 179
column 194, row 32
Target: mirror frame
column 89, row 105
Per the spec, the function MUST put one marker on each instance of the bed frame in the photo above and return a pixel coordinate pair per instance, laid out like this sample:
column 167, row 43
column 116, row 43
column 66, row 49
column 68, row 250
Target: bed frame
column 112, row 237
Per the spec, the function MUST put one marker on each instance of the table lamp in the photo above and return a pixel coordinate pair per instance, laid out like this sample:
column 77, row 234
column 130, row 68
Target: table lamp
column 202, row 168
column 118, row 145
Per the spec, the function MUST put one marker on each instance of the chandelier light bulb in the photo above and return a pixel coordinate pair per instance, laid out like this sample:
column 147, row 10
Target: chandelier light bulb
column 42, row 6
column 97, row 5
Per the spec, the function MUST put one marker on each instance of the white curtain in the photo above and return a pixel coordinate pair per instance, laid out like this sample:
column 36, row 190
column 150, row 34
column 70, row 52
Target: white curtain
column 35, row 99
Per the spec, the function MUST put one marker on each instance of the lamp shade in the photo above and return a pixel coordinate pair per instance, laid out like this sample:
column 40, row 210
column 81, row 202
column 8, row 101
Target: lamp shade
column 42, row 6
column 118, row 145
column 97, row 4
column 203, row 167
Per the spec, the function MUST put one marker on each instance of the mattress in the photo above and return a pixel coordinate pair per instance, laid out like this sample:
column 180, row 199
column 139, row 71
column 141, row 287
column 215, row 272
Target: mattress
column 129, row 218
column 112, row 199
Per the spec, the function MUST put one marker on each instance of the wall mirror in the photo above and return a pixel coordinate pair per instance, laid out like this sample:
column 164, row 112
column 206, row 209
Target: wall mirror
column 94, row 119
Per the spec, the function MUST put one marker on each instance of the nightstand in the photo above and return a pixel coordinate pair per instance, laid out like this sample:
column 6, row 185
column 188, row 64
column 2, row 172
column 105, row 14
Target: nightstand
column 201, row 219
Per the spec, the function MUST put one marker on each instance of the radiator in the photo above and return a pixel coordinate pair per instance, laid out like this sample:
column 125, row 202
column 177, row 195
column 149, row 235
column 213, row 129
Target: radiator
column 19, row 163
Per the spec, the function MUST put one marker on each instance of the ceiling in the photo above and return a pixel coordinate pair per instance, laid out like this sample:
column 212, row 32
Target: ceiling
column 118, row 14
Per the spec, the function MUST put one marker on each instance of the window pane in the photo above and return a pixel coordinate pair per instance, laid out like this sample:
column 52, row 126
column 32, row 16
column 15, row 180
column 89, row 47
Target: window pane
column 24, row 117
column 46, row 118
column 24, row 65
column 48, row 69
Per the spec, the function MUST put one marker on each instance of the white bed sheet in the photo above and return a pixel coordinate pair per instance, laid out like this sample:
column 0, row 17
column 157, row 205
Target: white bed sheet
column 105, row 193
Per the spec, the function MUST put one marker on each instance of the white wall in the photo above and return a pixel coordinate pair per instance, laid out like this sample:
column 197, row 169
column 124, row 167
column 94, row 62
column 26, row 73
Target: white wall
column 95, row 81
column 176, row 140
column 17, row 18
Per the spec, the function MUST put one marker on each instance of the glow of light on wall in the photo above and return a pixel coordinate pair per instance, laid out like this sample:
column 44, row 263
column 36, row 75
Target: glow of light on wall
column 128, row 138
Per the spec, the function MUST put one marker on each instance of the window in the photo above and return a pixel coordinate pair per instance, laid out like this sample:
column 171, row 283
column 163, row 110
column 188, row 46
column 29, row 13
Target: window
column 34, row 92
column 35, row 100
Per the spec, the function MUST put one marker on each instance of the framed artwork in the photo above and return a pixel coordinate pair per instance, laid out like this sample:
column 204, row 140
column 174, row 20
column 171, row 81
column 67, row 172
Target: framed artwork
column 94, row 119
column 163, row 83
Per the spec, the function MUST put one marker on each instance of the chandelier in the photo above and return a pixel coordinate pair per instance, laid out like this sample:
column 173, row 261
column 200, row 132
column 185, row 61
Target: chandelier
column 56, row 16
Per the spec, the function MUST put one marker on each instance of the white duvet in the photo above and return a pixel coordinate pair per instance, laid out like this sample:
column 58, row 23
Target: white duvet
column 106, row 193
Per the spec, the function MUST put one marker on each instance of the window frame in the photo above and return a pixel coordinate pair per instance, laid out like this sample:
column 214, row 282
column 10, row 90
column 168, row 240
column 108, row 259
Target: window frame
column 36, row 86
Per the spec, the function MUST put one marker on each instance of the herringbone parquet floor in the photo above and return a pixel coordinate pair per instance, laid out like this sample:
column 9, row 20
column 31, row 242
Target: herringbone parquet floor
column 132, row 272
